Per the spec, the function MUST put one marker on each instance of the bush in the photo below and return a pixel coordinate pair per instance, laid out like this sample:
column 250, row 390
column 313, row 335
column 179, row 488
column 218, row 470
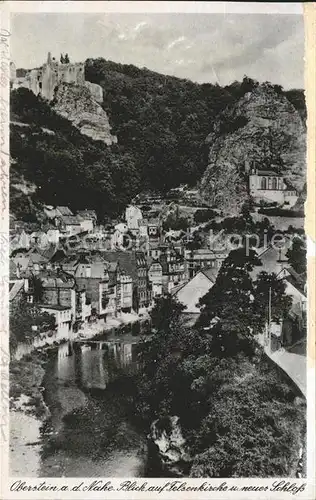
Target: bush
column 204, row 215
column 280, row 212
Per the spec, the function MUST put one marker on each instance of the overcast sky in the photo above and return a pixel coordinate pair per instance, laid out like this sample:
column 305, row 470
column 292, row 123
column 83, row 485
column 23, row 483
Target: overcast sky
column 202, row 47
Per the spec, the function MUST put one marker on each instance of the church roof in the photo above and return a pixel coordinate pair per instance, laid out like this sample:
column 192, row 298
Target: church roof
column 269, row 173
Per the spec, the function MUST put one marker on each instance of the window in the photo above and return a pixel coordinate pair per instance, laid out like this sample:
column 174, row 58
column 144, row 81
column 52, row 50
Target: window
column 263, row 183
column 274, row 183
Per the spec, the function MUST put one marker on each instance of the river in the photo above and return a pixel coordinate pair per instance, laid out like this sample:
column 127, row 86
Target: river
column 91, row 432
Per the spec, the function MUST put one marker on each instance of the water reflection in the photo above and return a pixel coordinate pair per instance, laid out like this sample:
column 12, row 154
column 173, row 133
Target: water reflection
column 90, row 429
column 93, row 365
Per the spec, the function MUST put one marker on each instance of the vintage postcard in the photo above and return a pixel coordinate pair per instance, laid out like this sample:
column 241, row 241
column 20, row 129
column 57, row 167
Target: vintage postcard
column 157, row 250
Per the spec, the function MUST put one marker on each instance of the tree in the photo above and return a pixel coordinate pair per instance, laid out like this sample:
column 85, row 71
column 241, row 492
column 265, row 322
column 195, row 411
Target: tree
column 66, row 59
column 280, row 302
column 197, row 242
column 36, row 287
column 158, row 379
column 24, row 316
column 246, row 433
column 227, row 311
column 175, row 223
column 236, row 411
column 297, row 255
column 204, row 215
column 62, row 59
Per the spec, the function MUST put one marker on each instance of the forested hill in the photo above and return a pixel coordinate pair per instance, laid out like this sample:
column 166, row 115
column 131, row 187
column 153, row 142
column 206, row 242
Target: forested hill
column 164, row 120
column 161, row 123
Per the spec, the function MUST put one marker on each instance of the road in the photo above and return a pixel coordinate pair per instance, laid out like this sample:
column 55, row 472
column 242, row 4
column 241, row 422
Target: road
column 292, row 361
column 294, row 365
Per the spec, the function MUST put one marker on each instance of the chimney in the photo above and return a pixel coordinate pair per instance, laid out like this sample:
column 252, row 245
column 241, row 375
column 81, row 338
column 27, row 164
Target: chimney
column 49, row 58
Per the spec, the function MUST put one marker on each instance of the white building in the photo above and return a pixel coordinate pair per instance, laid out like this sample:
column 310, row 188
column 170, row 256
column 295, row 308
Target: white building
column 63, row 316
column 268, row 186
column 132, row 215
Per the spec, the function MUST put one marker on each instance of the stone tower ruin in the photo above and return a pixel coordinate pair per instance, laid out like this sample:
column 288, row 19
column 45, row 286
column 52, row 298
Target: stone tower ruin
column 44, row 80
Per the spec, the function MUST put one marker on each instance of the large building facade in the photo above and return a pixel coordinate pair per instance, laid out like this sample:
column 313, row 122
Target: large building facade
column 268, row 186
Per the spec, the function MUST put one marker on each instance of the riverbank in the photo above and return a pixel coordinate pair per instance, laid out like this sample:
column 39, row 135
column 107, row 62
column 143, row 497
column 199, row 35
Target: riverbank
column 85, row 429
column 26, row 376
column 28, row 412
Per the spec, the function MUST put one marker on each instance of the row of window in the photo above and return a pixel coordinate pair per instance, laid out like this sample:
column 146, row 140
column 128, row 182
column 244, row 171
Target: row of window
column 271, row 183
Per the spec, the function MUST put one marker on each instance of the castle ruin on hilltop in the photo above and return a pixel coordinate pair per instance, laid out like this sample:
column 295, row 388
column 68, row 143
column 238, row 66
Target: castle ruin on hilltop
column 44, row 80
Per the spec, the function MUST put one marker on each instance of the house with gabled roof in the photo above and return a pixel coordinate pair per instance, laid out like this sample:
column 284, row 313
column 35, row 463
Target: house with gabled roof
column 294, row 326
column 20, row 240
column 68, row 225
column 134, row 265
column 295, row 287
column 91, row 272
column 204, row 258
column 31, row 262
column 64, row 211
column 61, row 292
column 190, row 292
column 273, row 258
column 155, row 276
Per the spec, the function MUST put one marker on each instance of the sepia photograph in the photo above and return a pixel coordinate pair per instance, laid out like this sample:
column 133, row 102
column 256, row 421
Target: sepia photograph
column 157, row 250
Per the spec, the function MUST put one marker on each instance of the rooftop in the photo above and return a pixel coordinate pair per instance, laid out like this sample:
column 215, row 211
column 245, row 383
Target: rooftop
column 211, row 273
column 71, row 220
column 270, row 173
column 54, row 307
column 15, row 288
column 64, row 210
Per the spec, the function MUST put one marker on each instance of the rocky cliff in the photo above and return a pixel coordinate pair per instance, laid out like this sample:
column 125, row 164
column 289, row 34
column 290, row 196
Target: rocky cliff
column 167, row 444
column 263, row 128
column 80, row 105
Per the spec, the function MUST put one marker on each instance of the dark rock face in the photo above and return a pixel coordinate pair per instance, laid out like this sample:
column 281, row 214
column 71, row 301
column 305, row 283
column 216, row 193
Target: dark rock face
column 263, row 128
column 168, row 454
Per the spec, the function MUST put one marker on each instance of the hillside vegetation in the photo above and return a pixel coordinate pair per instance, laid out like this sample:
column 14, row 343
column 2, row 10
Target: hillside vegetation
column 161, row 124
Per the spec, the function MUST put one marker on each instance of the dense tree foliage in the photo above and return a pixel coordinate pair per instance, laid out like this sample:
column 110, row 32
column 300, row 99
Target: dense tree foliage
column 297, row 255
column 201, row 216
column 228, row 308
column 27, row 321
column 163, row 120
column 236, row 411
column 268, row 284
column 67, row 167
column 175, row 222
column 161, row 123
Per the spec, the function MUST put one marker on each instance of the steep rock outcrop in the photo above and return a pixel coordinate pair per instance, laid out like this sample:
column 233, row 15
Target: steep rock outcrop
column 79, row 104
column 263, row 128
column 167, row 444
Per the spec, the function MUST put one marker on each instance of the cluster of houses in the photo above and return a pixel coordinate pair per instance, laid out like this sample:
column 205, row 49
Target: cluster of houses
column 90, row 272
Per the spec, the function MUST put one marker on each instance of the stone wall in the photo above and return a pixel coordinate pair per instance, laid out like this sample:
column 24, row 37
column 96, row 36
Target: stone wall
column 281, row 223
